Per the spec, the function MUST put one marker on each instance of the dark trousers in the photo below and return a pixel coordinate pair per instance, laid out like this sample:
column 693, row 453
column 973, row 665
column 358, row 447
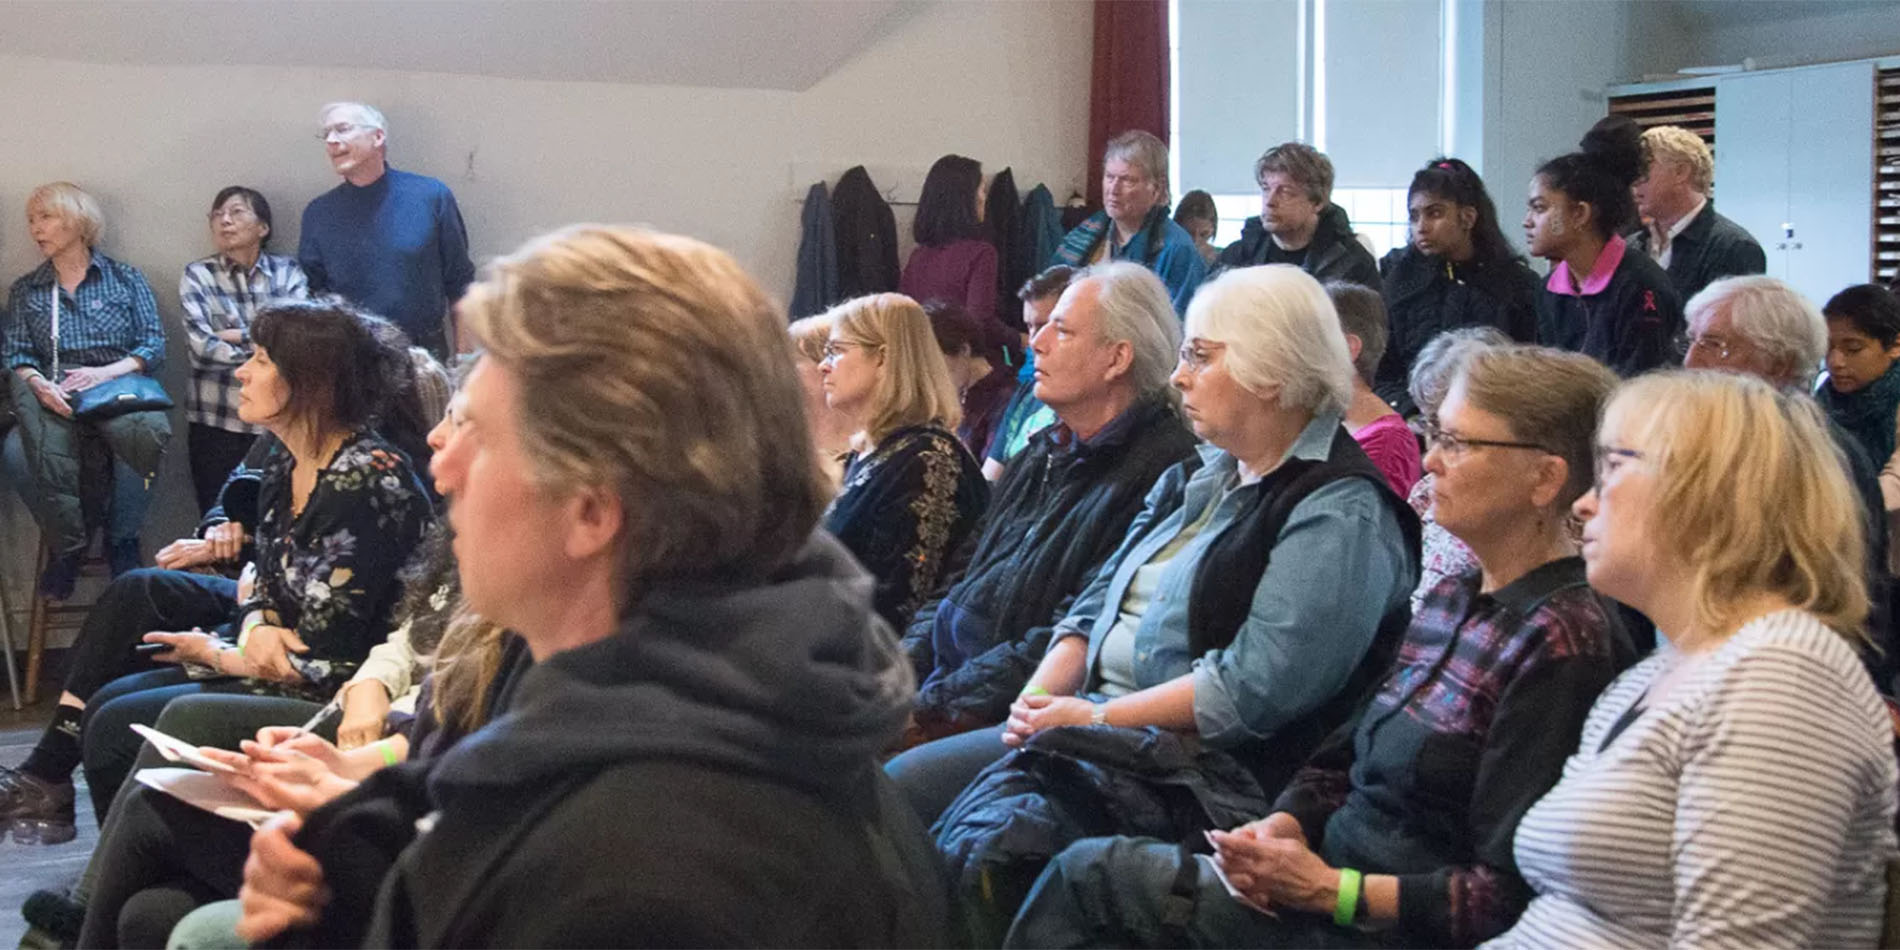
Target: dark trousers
column 214, row 453
column 135, row 604
column 159, row 858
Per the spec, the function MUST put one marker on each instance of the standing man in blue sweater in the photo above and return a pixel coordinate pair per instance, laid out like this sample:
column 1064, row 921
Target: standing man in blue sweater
column 390, row 241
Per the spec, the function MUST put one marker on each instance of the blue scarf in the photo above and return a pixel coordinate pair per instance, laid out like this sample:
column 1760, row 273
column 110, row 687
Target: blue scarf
column 1867, row 413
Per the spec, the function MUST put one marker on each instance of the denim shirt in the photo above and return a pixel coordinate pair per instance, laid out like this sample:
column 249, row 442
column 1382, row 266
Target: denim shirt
column 1339, row 565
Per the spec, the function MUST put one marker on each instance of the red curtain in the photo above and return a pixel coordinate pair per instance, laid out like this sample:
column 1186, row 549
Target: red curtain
column 1128, row 88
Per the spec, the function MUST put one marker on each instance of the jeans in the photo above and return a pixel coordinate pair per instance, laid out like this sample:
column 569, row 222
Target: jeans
column 134, row 604
column 51, row 451
column 932, row 775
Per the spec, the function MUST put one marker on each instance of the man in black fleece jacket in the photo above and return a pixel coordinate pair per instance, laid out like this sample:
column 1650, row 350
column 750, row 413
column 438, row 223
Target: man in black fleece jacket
column 1298, row 223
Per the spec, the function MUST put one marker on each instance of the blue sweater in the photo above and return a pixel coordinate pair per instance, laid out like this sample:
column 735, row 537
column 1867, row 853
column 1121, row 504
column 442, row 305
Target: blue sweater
column 395, row 247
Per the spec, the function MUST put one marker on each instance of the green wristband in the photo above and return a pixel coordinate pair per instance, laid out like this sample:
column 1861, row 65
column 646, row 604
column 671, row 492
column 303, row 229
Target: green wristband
column 1348, row 906
column 1034, row 691
column 389, row 752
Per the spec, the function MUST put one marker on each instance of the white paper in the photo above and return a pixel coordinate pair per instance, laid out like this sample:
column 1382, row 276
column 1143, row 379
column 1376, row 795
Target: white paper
column 1232, row 891
column 178, row 750
column 209, row 792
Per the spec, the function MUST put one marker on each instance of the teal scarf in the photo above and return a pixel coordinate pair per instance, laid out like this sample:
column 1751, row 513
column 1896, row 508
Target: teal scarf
column 1867, row 414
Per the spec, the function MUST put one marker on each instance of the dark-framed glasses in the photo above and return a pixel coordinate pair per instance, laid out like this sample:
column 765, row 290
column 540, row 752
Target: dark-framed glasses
column 1457, row 446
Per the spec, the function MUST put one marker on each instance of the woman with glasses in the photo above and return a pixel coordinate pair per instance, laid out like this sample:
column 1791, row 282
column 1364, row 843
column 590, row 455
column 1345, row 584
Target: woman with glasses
column 1736, row 788
column 1398, row 830
column 911, row 492
column 1255, row 602
column 221, row 295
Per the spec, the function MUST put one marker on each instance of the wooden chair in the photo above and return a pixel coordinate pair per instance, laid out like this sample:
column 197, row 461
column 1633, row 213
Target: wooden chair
column 72, row 612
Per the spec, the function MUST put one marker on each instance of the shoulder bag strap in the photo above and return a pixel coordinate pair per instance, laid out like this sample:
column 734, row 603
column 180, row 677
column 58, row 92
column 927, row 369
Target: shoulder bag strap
column 55, row 376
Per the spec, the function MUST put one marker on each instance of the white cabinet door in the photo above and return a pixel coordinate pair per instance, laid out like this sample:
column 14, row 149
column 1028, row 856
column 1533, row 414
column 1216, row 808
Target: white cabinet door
column 1753, row 114
column 1831, row 180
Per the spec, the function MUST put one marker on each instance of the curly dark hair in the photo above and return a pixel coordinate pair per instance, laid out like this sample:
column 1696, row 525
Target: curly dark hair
column 1600, row 173
column 345, row 369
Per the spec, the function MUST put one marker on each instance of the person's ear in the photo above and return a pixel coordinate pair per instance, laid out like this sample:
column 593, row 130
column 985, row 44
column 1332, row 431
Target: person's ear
column 1122, row 362
column 1355, row 346
column 594, row 519
column 1467, row 217
column 1553, row 473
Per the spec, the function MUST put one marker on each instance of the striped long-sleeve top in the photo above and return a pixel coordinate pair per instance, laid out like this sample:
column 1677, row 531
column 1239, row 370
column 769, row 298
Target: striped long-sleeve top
column 1753, row 807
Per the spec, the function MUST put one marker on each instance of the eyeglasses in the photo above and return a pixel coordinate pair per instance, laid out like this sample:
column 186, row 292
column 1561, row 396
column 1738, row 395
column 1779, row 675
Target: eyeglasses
column 1709, row 343
column 1610, row 459
column 235, row 213
column 1454, row 446
column 341, row 130
column 837, row 348
column 1198, row 355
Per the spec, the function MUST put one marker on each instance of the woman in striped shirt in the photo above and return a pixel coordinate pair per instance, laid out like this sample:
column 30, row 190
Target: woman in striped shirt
column 1737, row 787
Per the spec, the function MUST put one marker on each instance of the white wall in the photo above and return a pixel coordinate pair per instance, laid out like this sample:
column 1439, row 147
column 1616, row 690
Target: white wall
column 1814, row 32
column 1004, row 83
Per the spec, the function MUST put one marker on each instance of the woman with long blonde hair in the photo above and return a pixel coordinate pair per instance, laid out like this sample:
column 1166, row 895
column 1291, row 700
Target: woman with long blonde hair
column 911, row 492
column 1737, row 787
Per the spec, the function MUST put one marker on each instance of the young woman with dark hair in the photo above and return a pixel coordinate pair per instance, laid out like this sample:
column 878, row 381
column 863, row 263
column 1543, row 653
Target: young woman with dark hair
column 339, row 510
column 1617, row 307
column 1457, row 271
column 954, row 259
column 1861, row 392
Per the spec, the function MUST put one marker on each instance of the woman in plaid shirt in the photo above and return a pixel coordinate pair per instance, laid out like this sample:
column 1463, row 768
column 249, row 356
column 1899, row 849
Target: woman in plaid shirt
column 221, row 295
column 108, row 327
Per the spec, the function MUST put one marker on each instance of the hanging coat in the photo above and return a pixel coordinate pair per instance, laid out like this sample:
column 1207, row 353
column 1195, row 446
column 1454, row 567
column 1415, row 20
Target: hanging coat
column 817, row 287
column 867, row 237
column 999, row 216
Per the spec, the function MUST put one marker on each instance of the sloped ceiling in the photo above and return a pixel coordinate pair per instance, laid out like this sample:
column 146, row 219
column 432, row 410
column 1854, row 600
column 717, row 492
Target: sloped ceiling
column 752, row 44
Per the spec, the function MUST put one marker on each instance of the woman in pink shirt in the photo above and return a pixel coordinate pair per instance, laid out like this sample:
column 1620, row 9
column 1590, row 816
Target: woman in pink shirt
column 1374, row 424
column 954, row 260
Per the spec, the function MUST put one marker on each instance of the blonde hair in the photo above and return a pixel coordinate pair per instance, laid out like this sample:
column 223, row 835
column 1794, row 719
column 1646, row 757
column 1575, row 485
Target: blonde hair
column 1279, row 327
column 809, row 336
column 651, row 366
column 73, row 203
column 1546, row 396
column 1715, row 439
column 1681, row 145
column 914, row 387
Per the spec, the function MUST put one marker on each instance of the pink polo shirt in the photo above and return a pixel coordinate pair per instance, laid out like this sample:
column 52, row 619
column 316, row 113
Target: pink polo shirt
column 1559, row 282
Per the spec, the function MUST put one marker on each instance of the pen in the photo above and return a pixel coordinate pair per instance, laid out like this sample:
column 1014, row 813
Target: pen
column 322, row 714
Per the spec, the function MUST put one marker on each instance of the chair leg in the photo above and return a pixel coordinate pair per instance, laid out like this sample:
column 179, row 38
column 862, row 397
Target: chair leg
column 36, row 635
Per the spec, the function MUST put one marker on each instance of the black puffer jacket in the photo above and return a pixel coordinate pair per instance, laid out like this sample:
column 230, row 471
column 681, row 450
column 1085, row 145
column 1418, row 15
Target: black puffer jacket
column 1427, row 295
column 1333, row 254
column 1061, row 509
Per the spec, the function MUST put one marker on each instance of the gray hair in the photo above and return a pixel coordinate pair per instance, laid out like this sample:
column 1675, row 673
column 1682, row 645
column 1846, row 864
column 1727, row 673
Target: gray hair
column 1440, row 359
column 1142, row 149
column 1135, row 307
column 1362, row 315
column 369, row 114
column 1773, row 316
column 1279, row 327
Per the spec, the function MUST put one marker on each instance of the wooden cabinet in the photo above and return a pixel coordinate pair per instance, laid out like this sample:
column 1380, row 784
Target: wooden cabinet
column 1796, row 169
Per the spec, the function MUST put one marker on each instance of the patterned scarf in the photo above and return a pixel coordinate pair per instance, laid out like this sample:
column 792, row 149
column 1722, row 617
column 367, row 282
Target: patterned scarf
column 1079, row 243
column 1868, row 413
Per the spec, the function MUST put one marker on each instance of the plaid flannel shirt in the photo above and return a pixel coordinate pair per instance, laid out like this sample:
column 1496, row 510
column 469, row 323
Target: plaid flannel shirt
column 217, row 295
column 111, row 316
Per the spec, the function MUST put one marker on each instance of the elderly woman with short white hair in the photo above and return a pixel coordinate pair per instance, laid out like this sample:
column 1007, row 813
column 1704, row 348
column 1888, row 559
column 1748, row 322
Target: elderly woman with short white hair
column 1254, row 603
column 83, row 326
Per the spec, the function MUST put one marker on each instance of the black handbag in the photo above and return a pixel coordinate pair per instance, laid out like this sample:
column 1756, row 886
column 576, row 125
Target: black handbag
column 133, row 392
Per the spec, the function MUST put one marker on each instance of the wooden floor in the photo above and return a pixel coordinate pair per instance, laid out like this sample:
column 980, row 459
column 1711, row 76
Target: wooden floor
column 27, row 868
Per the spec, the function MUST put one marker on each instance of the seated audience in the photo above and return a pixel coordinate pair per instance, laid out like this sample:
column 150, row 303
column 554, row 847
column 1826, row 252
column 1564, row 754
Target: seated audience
column 973, row 352
column 1441, row 554
column 339, row 510
column 1197, row 216
column 1025, row 415
column 1736, row 788
column 954, row 260
column 1376, row 426
column 1397, row 832
column 1133, row 224
column 1063, row 506
column 1765, row 328
column 830, row 429
column 1617, row 307
column 1217, row 662
column 647, row 530
column 221, row 295
column 1298, row 222
column 77, row 321
column 911, row 492
column 1681, row 231
column 1862, row 390
column 1458, row 271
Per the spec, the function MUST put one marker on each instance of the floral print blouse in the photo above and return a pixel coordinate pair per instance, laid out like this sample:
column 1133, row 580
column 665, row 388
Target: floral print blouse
column 330, row 573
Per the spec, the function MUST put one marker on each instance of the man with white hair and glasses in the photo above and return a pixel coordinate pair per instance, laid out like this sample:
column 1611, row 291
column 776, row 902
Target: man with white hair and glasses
column 390, row 241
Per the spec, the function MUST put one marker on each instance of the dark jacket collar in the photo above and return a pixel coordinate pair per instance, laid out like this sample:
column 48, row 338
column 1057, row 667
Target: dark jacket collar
column 1119, row 431
column 1529, row 592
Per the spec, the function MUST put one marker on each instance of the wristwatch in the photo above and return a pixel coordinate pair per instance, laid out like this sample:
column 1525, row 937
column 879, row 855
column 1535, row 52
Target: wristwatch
column 1098, row 714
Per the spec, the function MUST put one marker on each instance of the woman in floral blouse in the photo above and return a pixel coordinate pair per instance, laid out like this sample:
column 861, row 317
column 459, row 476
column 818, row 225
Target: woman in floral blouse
column 340, row 508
